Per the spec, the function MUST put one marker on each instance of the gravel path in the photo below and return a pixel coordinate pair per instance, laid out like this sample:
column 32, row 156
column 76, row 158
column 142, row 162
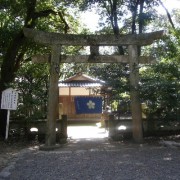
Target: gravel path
column 96, row 159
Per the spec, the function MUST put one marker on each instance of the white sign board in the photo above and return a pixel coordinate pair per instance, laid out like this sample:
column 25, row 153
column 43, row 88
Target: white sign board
column 9, row 99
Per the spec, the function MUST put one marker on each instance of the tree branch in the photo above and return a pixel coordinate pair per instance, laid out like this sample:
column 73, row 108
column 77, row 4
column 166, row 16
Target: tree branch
column 66, row 26
column 168, row 14
column 44, row 13
column 18, row 61
column 141, row 22
column 32, row 15
column 30, row 5
column 134, row 15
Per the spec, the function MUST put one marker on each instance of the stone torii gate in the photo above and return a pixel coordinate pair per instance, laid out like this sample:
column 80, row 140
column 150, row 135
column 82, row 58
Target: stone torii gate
column 56, row 40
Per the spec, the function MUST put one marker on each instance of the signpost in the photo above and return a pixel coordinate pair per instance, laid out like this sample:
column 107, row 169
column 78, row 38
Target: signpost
column 9, row 101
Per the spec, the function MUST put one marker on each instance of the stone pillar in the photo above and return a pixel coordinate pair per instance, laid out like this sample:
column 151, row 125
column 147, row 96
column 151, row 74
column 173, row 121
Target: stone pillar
column 64, row 135
column 112, row 126
column 53, row 96
column 134, row 93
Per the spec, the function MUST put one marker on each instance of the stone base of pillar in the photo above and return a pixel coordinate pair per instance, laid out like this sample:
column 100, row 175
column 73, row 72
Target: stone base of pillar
column 50, row 148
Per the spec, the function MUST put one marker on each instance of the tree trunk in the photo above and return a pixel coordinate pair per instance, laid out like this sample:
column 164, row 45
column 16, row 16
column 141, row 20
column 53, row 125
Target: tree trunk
column 141, row 22
column 114, row 22
column 134, row 15
column 9, row 67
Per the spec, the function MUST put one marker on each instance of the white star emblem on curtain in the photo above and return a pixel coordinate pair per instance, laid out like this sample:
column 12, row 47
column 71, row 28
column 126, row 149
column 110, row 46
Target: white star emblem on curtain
column 91, row 105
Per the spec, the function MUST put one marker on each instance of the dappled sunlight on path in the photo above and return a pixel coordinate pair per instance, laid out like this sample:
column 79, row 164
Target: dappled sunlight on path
column 86, row 131
column 87, row 137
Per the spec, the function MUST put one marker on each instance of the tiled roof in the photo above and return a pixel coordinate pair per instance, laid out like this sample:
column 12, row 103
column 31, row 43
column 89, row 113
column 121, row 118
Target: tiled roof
column 81, row 80
column 79, row 84
column 81, row 76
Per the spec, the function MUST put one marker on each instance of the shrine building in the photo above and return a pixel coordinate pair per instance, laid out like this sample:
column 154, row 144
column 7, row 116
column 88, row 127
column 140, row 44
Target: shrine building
column 81, row 98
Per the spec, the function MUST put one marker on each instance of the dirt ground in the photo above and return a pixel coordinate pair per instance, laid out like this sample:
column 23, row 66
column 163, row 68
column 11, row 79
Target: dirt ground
column 9, row 149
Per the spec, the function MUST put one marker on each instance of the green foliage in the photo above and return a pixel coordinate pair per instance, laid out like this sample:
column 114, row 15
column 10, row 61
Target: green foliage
column 9, row 26
column 160, row 88
column 16, row 51
column 32, row 84
column 116, row 76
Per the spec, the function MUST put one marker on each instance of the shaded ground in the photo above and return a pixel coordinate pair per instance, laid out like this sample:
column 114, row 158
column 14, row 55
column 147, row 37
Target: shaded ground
column 96, row 159
column 91, row 157
column 10, row 149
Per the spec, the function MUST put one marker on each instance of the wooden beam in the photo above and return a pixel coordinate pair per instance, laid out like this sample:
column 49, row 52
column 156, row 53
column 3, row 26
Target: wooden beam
column 38, row 58
column 47, row 38
column 105, row 59
column 93, row 59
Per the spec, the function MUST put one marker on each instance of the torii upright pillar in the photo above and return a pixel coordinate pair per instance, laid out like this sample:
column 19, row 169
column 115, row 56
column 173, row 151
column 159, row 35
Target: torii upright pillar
column 134, row 94
column 53, row 96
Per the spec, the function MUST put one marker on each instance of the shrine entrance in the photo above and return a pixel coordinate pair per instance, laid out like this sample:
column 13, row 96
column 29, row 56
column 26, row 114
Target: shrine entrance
column 85, row 130
column 56, row 40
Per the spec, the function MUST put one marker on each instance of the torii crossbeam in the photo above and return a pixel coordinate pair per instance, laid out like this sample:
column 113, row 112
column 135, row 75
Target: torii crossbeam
column 56, row 40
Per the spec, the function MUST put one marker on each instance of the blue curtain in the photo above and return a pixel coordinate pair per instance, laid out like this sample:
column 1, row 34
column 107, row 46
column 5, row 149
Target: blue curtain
column 88, row 105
